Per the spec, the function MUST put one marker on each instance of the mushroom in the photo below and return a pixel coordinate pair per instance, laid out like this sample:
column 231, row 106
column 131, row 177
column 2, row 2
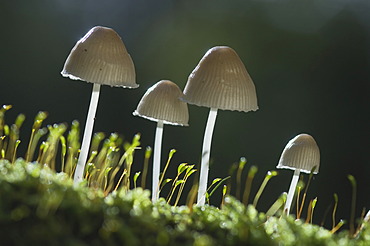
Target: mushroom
column 101, row 58
column 161, row 103
column 301, row 154
column 219, row 81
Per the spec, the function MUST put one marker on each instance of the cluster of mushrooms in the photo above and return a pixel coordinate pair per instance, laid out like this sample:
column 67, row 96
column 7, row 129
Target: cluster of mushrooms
column 219, row 81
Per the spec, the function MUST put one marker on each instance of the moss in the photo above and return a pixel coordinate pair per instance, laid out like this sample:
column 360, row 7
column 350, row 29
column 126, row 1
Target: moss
column 38, row 206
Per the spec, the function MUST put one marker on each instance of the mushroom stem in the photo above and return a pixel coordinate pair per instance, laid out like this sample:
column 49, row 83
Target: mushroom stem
column 206, row 152
column 78, row 176
column 291, row 191
column 157, row 160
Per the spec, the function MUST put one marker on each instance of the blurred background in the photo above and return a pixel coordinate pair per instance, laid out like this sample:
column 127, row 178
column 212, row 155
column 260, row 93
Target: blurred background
column 309, row 59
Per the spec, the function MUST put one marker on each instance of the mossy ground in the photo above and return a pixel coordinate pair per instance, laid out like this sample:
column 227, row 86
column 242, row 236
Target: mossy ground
column 39, row 206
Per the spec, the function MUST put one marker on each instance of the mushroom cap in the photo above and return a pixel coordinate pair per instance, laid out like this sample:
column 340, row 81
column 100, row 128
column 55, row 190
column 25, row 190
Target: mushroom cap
column 302, row 153
column 162, row 102
column 101, row 57
column 221, row 81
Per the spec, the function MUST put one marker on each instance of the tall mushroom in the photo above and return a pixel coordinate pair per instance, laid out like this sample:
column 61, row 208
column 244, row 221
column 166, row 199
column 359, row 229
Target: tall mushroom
column 161, row 103
column 219, row 81
column 301, row 154
column 101, row 58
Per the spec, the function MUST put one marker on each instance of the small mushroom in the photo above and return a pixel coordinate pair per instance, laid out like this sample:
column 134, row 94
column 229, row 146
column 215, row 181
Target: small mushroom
column 161, row 103
column 301, row 154
column 101, row 58
column 219, row 81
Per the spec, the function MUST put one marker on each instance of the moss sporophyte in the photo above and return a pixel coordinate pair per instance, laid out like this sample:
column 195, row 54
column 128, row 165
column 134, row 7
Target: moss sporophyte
column 61, row 193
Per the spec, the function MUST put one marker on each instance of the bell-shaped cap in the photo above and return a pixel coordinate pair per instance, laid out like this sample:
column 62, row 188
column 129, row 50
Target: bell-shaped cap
column 221, row 81
column 162, row 102
column 101, row 57
column 301, row 153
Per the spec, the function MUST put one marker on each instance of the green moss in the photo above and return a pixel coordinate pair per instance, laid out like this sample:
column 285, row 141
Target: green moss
column 38, row 206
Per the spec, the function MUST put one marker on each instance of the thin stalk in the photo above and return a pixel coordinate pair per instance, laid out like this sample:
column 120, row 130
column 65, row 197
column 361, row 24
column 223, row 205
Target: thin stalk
column 174, row 186
column 1, row 145
column 49, row 156
column 40, row 117
column 191, row 197
column 128, row 157
column 73, row 144
column 309, row 211
column 291, row 191
column 338, row 226
column 157, row 160
column 224, row 191
column 163, row 184
column 305, row 192
column 124, row 173
column 277, row 205
column 219, row 182
column 29, row 145
column 353, row 205
column 160, row 186
column 136, row 176
column 126, row 178
column 148, row 153
column 297, row 201
column 15, row 150
column 248, row 184
column 232, row 169
column 13, row 137
column 326, row 212
column 43, row 148
column 206, row 152
column 268, row 176
column 90, row 168
column 3, row 109
column 78, row 177
column 334, row 210
column 189, row 172
column 63, row 152
column 242, row 163
column 311, row 208
column 182, row 167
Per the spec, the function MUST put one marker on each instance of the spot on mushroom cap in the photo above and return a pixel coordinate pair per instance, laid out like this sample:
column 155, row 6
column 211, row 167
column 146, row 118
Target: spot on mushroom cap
column 221, row 81
column 302, row 153
column 162, row 102
column 101, row 57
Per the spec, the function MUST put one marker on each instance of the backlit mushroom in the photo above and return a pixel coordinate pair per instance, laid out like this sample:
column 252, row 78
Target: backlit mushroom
column 101, row 58
column 301, row 154
column 219, row 81
column 161, row 103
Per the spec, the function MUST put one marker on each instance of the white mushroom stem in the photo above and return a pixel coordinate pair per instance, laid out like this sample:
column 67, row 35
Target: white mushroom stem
column 78, row 177
column 157, row 160
column 206, row 152
column 291, row 191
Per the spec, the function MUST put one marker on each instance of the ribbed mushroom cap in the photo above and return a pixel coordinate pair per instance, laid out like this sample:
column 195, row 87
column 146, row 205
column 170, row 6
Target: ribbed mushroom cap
column 101, row 57
column 162, row 102
column 221, row 81
column 302, row 153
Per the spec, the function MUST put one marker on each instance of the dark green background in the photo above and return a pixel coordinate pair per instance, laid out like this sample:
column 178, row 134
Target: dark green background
column 309, row 59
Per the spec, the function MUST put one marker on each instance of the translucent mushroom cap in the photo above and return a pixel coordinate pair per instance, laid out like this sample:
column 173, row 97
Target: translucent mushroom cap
column 221, row 81
column 162, row 102
column 302, row 153
column 101, row 57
